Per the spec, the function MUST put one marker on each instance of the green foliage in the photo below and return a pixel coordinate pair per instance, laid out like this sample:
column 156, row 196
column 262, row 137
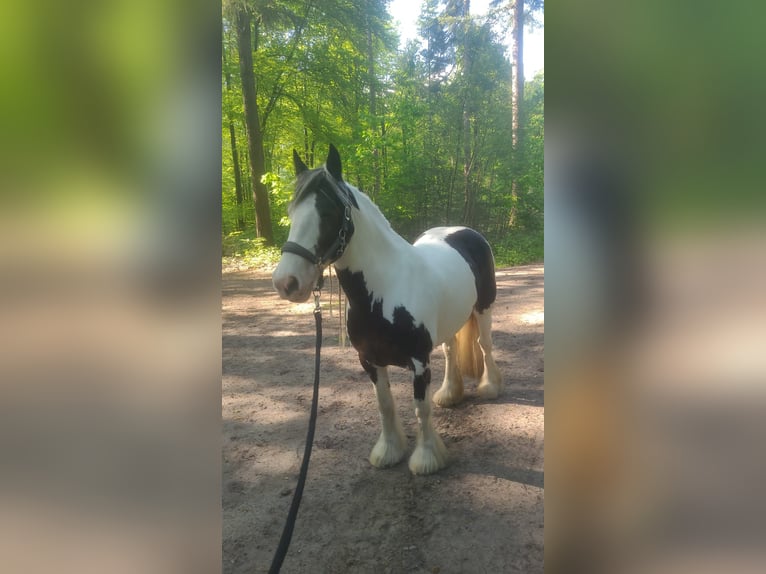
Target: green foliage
column 399, row 118
column 519, row 248
column 248, row 251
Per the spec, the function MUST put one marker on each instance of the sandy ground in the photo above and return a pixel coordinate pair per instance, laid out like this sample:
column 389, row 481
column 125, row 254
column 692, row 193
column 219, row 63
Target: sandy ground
column 483, row 513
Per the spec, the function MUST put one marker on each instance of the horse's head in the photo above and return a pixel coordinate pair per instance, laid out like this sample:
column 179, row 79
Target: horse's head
column 320, row 227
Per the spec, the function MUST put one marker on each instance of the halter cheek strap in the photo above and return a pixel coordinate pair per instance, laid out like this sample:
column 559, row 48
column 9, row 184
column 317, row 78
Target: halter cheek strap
column 334, row 252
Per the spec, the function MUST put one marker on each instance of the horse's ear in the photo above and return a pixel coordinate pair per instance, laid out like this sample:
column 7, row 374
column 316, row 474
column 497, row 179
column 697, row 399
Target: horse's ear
column 298, row 164
column 333, row 163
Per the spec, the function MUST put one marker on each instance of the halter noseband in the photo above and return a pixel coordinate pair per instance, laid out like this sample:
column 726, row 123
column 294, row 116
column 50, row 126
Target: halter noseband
column 336, row 250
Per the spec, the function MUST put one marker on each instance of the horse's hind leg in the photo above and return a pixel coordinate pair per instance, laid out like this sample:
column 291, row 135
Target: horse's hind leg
column 451, row 391
column 392, row 443
column 430, row 453
column 491, row 382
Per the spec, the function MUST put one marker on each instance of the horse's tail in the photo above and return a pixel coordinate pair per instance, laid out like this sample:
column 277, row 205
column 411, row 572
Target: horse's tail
column 470, row 359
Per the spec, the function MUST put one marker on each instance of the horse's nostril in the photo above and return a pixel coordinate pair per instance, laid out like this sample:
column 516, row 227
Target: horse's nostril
column 291, row 285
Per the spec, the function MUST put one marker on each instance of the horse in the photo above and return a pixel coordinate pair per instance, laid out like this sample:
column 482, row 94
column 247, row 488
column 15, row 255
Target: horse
column 402, row 300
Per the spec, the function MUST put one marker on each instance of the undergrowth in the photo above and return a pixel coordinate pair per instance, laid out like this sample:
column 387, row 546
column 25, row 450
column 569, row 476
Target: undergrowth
column 244, row 251
column 519, row 249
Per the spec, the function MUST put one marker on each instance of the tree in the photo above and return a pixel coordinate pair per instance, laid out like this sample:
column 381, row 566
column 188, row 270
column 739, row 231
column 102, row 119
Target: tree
column 517, row 59
column 239, row 192
column 518, row 20
column 243, row 19
column 463, row 12
column 424, row 131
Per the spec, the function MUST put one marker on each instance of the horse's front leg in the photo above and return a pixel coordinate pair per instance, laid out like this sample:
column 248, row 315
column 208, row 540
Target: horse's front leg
column 430, row 453
column 392, row 443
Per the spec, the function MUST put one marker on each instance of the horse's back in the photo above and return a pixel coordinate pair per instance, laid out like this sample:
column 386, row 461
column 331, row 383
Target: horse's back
column 474, row 249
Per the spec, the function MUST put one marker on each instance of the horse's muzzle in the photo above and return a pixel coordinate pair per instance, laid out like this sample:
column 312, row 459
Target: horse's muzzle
column 294, row 284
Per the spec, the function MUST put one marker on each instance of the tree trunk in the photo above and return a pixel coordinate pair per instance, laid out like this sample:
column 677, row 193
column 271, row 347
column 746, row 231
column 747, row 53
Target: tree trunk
column 234, row 155
column 517, row 99
column 467, row 105
column 312, row 152
column 373, row 110
column 467, row 188
column 252, row 122
column 517, row 55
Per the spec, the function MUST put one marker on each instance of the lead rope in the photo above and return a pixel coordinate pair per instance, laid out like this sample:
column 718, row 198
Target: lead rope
column 287, row 533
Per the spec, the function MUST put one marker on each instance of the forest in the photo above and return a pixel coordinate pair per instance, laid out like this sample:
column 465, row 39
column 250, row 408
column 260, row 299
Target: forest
column 442, row 130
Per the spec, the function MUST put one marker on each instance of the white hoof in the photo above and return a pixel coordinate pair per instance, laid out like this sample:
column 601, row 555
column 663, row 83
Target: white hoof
column 446, row 397
column 388, row 450
column 487, row 390
column 429, row 457
column 490, row 385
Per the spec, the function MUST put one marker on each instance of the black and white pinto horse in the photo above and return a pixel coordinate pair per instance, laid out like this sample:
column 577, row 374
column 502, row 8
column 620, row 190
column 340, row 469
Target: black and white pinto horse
column 403, row 300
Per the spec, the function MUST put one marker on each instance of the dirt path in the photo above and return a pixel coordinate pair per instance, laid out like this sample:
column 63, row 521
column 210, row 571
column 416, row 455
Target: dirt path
column 484, row 513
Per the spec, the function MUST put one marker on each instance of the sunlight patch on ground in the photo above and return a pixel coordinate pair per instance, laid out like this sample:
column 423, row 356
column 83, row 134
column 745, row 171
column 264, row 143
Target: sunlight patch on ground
column 306, row 308
column 533, row 318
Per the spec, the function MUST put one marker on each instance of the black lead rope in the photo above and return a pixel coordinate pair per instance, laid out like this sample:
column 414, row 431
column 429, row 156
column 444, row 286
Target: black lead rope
column 287, row 533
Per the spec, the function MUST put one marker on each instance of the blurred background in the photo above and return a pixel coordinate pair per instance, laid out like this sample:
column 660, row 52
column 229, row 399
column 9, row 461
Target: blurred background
column 110, row 259
column 655, row 287
column 110, row 256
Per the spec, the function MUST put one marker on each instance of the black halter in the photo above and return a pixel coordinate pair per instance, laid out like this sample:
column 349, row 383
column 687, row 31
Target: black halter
column 336, row 250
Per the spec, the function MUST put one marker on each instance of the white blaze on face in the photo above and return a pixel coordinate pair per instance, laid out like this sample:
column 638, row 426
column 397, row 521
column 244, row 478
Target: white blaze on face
column 295, row 277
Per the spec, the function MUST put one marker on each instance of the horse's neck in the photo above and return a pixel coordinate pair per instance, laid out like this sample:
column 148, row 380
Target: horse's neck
column 375, row 249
